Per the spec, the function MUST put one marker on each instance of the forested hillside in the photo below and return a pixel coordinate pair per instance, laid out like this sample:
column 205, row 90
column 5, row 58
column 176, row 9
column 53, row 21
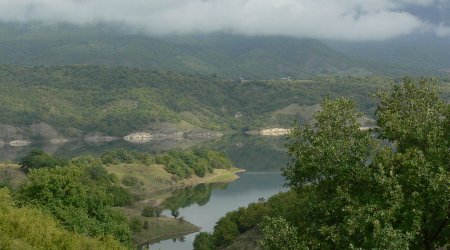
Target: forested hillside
column 230, row 56
column 118, row 100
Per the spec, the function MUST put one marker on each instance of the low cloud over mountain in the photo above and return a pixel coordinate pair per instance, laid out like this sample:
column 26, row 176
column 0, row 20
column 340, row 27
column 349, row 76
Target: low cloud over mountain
column 354, row 20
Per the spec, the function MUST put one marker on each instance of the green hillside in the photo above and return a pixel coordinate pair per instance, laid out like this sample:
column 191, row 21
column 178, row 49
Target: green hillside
column 119, row 100
column 415, row 55
column 230, row 56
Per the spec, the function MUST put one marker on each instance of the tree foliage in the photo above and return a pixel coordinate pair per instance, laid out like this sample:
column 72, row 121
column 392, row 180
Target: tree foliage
column 203, row 241
column 385, row 189
column 37, row 158
column 199, row 162
column 78, row 197
column 280, row 235
column 30, row 228
column 117, row 100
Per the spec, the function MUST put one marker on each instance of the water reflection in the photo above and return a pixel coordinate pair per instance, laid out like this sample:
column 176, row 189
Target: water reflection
column 249, row 188
column 188, row 196
column 74, row 148
column 253, row 153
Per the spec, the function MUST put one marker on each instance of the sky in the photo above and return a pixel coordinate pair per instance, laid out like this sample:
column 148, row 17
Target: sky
column 348, row 20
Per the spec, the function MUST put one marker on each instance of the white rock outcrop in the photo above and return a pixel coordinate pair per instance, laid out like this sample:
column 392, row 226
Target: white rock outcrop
column 138, row 137
column 274, row 131
column 19, row 143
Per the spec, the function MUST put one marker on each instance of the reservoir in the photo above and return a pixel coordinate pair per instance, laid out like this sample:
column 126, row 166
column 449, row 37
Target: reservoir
column 250, row 187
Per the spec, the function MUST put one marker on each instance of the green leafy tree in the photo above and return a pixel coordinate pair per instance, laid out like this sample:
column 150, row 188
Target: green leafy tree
column 203, row 241
column 388, row 189
column 225, row 232
column 279, row 235
column 31, row 228
column 175, row 213
column 37, row 158
column 78, row 199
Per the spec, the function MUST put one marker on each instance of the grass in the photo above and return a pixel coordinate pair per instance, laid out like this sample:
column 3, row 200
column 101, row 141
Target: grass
column 153, row 178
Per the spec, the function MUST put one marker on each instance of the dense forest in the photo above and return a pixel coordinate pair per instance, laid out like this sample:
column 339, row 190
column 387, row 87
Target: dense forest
column 221, row 53
column 228, row 56
column 119, row 100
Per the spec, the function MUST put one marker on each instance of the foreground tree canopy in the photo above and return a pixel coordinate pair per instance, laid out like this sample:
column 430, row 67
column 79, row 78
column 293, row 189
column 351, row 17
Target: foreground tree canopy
column 384, row 188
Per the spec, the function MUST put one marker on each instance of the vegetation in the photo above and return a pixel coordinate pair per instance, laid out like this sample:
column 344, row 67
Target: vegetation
column 225, row 55
column 279, row 234
column 26, row 227
column 369, row 195
column 199, row 162
column 37, row 158
column 353, row 188
column 77, row 196
column 120, row 156
column 118, row 100
column 81, row 198
column 243, row 220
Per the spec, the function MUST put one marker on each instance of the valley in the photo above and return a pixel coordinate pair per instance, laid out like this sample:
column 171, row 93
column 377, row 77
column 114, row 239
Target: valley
column 214, row 131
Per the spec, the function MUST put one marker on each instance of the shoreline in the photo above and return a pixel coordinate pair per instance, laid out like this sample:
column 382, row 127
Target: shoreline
column 155, row 186
column 166, row 237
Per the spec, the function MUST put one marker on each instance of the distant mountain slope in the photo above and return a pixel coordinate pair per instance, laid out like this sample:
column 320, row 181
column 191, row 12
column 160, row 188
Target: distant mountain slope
column 414, row 55
column 116, row 101
column 230, row 56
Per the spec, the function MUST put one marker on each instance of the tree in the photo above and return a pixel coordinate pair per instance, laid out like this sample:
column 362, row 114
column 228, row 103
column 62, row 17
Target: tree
column 37, row 158
column 80, row 203
column 225, row 232
column 175, row 213
column 279, row 235
column 387, row 188
column 203, row 241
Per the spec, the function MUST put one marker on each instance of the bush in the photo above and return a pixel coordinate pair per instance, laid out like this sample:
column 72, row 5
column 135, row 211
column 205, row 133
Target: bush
column 148, row 211
column 203, row 241
column 29, row 228
column 80, row 203
column 37, row 158
column 121, row 196
column 225, row 232
column 136, row 225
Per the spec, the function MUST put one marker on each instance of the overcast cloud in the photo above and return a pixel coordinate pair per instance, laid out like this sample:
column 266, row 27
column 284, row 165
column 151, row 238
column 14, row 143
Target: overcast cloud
column 321, row 19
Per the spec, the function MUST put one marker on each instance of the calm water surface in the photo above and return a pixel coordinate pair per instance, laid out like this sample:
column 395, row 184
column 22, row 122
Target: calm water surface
column 248, row 188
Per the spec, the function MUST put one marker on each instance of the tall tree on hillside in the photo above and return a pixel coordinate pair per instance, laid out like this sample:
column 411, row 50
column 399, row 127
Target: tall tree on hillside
column 388, row 188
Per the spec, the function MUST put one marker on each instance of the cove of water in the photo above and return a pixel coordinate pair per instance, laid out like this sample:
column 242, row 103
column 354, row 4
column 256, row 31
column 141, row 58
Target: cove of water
column 203, row 205
column 250, row 187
